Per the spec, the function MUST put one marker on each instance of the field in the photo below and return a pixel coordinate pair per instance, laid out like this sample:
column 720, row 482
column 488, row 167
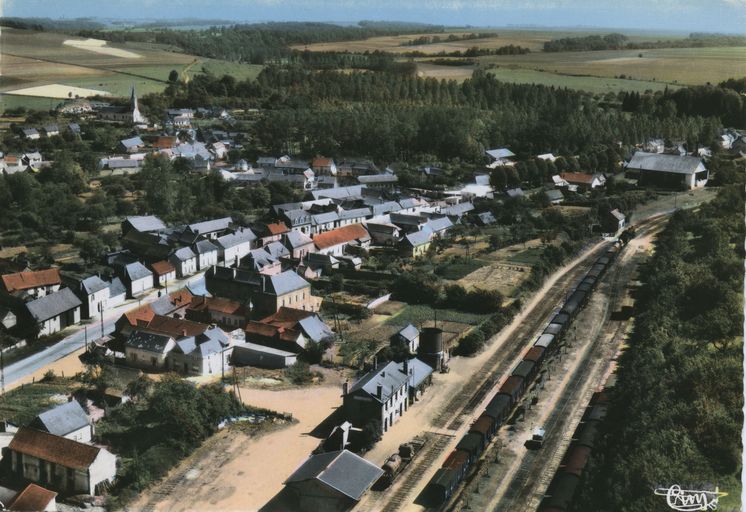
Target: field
column 32, row 59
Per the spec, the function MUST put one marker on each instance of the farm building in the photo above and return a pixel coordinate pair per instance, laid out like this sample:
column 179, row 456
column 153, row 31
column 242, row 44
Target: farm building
column 142, row 224
column 336, row 241
column 219, row 310
column 332, row 481
column 253, row 354
column 54, row 312
column 66, row 420
column 416, row 244
column 32, row 284
column 137, row 278
column 672, row 171
column 59, row 463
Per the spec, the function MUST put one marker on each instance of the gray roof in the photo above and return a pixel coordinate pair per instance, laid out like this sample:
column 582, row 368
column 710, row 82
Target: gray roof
column 253, row 347
column 131, row 142
column 122, row 163
column 186, row 345
column 183, row 254
column 457, row 209
column 486, row 217
column 210, row 226
column 276, row 249
column 266, row 160
column 258, row 259
column 378, row 178
column 204, row 246
column 419, row 371
column 136, row 271
column 500, row 153
column 339, row 192
column 324, row 218
column 30, row 131
column 391, row 378
column 384, row 208
column 93, row 284
column 297, row 239
column 439, row 224
column 409, row 333
column 420, row 237
column 298, row 216
column 148, row 341
column 117, row 288
column 343, row 471
column 617, row 214
column 354, row 213
column 664, row 163
column 286, row 282
column 242, row 236
column 408, row 202
column 554, row 195
column 514, row 192
column 63, row 419
column 146, row 223
column 314, row 328
column 53, row 304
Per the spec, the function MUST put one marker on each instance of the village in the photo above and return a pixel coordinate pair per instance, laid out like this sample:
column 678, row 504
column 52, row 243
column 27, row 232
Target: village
column 311, row 289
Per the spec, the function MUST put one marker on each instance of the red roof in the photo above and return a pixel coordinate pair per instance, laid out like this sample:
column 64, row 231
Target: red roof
column 51, row 448
column 483, row 425
column 175, row 327
column 11, row 159
column 271, row 331
column 277, row 228
column 287, row 317
column 28, row 280
column 227, row 306
column 579, row 178
column 511, row 384
column 534, row 354
column 162, row 267
column 321, row 162
column 32, row 498
column 576, row 458
column 143, row 314
column 340, row 236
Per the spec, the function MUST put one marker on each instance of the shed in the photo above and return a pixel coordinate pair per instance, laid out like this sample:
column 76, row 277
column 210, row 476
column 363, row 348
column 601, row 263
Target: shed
column 252, row 354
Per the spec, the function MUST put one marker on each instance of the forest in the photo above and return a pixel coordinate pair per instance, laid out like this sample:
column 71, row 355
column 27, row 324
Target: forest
column 675, row 415
column 616, row 41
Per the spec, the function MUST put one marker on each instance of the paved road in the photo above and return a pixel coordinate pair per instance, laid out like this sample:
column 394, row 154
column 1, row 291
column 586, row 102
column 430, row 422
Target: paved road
column 76, row 340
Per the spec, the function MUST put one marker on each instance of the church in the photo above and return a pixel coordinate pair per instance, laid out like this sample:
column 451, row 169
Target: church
column 129, row 114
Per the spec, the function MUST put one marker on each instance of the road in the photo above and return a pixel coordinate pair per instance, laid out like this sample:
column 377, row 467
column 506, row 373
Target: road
column 77, row 337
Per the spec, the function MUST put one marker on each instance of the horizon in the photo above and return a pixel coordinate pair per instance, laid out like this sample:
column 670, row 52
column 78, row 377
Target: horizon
column 720, row 16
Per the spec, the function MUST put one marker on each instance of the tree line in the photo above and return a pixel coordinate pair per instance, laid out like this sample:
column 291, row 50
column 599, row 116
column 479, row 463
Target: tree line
column 616, row 41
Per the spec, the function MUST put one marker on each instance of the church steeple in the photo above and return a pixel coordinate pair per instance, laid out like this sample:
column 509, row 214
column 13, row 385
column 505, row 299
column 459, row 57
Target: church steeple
column 133, row 99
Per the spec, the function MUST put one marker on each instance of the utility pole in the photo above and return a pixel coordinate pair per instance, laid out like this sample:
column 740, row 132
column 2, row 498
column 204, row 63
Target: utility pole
column 2, row 371
column 101, row 310
column 85, row 337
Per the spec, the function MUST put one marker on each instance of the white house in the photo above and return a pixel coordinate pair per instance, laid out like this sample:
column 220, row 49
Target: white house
column 138, row 278
column 669, row 170
column 60, row 463
column 207, row 254
column 95, row 294
column 335, row 241
column 148, row 350
column 234, row 246
column 55, row 311
column 184, row 260
column 67, row 420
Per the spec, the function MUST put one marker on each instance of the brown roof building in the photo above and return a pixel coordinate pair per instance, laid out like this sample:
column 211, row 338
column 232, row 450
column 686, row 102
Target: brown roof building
column 41, row 279
column 340, row 236
column 33, row 499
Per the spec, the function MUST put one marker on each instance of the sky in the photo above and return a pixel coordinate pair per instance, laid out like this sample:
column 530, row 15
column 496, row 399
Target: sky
column 727, row 16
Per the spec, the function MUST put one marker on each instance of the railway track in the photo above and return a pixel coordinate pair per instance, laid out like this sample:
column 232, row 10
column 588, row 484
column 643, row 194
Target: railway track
column 462, row 405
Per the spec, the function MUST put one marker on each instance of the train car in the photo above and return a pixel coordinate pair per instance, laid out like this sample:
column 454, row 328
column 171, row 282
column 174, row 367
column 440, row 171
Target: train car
column 442, row 485
column 545, row 341
column 575, row 460
column 584, row 287
column 560, row 493
column 459, row 461
column 600, row 267
column 471, row 443
column 596, row 412
column 535, row 354
column 554, row 329
column 561, row 318
column 594, row 273
column 513, row 387
column 526, row 370
column 590, row 280
column 574, row 303
column 499, row 409
column 586, row 434
column 485, row 426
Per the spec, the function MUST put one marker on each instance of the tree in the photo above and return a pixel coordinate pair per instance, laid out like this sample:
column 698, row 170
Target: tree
column 158, row 183
column 91, row 248
column 173, row 76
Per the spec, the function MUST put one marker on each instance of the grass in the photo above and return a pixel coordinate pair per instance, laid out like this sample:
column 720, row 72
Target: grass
column 528, row 256
column 455, row 271
column 24, row 403
column 418, row 314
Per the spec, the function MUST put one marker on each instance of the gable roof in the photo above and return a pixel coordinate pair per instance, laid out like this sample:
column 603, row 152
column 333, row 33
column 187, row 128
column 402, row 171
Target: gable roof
column 32, row 497
column 297, row 239
column 63, row 419
column 342, row 471
column 440, row 224
column 341, row 235
column 378, row 178
column 136, row 270
column 390, row 378
column 56, row 449
column 132, row 142
column 617, row 214
column 353, row 213
column 580, row 178
column 93, row 284
column 162, row 267
column 664, row 163
column 308, row 322
column 146, row 223
column 149, row 341
column 210, row 226
column 500, row 153
column 277, row 228
column 241, row 236
column 183, row 254
column 175, row 327
column 220, row 304
column 324, row 218
column 409, row 333
column 554, row 195
column 276, row 249
column 486, row 217
column 53, row 304
column 285, row 282
column 420, row 237
column 27, row 280
column 320, row 161
column 204, row 246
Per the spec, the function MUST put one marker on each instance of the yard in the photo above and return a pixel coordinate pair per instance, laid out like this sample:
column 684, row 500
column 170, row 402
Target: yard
column 24, row 403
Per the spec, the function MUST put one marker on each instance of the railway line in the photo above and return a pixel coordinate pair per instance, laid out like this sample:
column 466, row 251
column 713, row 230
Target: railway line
column 462, row 405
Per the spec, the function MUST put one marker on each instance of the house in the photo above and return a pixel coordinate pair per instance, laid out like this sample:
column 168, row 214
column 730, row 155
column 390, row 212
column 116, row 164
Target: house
column 431, row 171
column 297, row 220
column 323, row 166
column 307, row 322
column 582, row 180
column 614, row 222
column 163, row 272
column 262, row 262
column 267, row 293
column 335, row 242
column 148, row 350
column 234, row 246
column 457, row 212
column 382, row 394
column 353, row 191
column 31, row 134
column 514, row 193
column 352, row 216
column 67, row 420
column 32, row 159
column 33, row 497
column 131, row 145
column 202, row 354
column 379, row 181
column 417, row 243
column 554, row 196
column 150, row 246
column 321, row 222
column 51, row 130
column 55, row 311
column 207, row 254
column 409, row 337
column 226, row 312
column 280, row 338
column 547, row 157
column 210, row 229
column 171, row 304
column 316, row 265
column 32, row 284
column 137, row 278
column 277, row 250
column 117, row 293
column 655, row 146
column 74, row 128
column 668, row 170
column 383, row 233
column 439, row 226
column 299, row 244
column 331, row 481
column 94, row 293
column 60, row 463
column 499, row 157
column 184, row 260
column 408, row 222
column 142, row 224
column 485, row 219
column 272, row 232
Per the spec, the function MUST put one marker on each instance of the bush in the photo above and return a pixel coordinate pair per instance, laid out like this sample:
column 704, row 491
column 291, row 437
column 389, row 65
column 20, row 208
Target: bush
column 299, row 373
column 471, row 343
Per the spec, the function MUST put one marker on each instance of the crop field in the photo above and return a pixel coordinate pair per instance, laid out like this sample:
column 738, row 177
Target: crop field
column 33, row 59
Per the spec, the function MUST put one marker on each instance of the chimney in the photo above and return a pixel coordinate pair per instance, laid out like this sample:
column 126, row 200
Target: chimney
column 375, row 362
column 406, row 367
column 379, row 390
column 344, row 388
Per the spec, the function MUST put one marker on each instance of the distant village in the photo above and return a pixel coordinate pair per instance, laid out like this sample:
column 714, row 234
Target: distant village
column 199, row 299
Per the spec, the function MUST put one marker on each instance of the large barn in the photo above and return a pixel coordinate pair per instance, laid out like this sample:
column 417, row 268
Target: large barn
column 672, row 171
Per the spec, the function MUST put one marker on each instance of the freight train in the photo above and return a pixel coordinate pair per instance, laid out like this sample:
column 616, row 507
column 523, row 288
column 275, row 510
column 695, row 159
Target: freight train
column 456, row 466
